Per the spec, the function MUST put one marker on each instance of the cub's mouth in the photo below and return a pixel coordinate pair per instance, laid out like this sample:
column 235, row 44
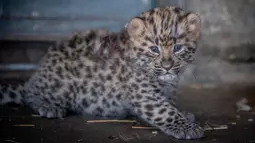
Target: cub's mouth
column 168, row 77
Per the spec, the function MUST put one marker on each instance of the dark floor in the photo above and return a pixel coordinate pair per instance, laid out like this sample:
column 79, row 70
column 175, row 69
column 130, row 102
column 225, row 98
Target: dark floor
column 212, row 106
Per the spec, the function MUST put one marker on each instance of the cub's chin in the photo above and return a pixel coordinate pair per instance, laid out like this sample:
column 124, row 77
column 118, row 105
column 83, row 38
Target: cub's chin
column 168, row 78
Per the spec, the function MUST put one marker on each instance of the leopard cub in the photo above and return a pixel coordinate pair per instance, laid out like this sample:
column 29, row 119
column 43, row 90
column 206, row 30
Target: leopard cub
column 111, row 74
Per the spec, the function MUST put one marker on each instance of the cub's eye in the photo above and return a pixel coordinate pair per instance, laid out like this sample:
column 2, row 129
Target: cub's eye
column 178, row 48
column 155, row 49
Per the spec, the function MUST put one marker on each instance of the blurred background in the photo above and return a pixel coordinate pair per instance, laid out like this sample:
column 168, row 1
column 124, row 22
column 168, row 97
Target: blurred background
column 226, row 52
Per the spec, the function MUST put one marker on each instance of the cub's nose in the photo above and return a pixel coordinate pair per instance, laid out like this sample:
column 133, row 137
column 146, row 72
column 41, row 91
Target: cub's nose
column 167, row 64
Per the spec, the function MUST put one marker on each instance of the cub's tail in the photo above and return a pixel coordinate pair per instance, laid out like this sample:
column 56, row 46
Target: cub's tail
column 11, row 94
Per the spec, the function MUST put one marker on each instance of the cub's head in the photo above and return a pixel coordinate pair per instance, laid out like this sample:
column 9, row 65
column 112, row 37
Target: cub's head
column 164, row 40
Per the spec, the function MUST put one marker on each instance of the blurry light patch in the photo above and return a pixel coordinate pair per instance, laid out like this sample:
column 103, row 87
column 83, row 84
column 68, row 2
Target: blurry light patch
column 18, row 67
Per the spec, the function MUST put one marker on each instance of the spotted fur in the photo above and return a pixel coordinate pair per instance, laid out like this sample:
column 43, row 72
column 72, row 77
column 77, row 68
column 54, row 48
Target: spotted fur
column 111, row 74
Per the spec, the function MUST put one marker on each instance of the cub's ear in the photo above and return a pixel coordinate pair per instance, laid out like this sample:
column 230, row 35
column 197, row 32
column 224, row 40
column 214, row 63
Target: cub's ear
column 193, row 25
column 135, row 27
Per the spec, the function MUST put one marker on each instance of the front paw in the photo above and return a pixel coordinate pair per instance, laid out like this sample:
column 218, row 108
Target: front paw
column 185, row 131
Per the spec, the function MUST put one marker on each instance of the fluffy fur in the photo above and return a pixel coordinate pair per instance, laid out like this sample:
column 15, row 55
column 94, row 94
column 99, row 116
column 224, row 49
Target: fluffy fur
column 111, row 74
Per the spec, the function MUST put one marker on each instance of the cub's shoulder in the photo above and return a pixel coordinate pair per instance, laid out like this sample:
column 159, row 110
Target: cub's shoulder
column 79, row 41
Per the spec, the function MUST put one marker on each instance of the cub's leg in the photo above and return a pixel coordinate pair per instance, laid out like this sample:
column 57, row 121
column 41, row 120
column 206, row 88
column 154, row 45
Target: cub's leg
column 157, row 111
column 172, row 96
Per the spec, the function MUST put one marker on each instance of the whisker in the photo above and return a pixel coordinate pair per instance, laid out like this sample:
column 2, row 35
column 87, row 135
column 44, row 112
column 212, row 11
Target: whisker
column 175, row 68
column 180, row 66
column 157, row 69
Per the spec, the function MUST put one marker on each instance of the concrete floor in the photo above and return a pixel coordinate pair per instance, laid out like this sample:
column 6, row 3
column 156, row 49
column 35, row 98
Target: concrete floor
column 214, row 106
